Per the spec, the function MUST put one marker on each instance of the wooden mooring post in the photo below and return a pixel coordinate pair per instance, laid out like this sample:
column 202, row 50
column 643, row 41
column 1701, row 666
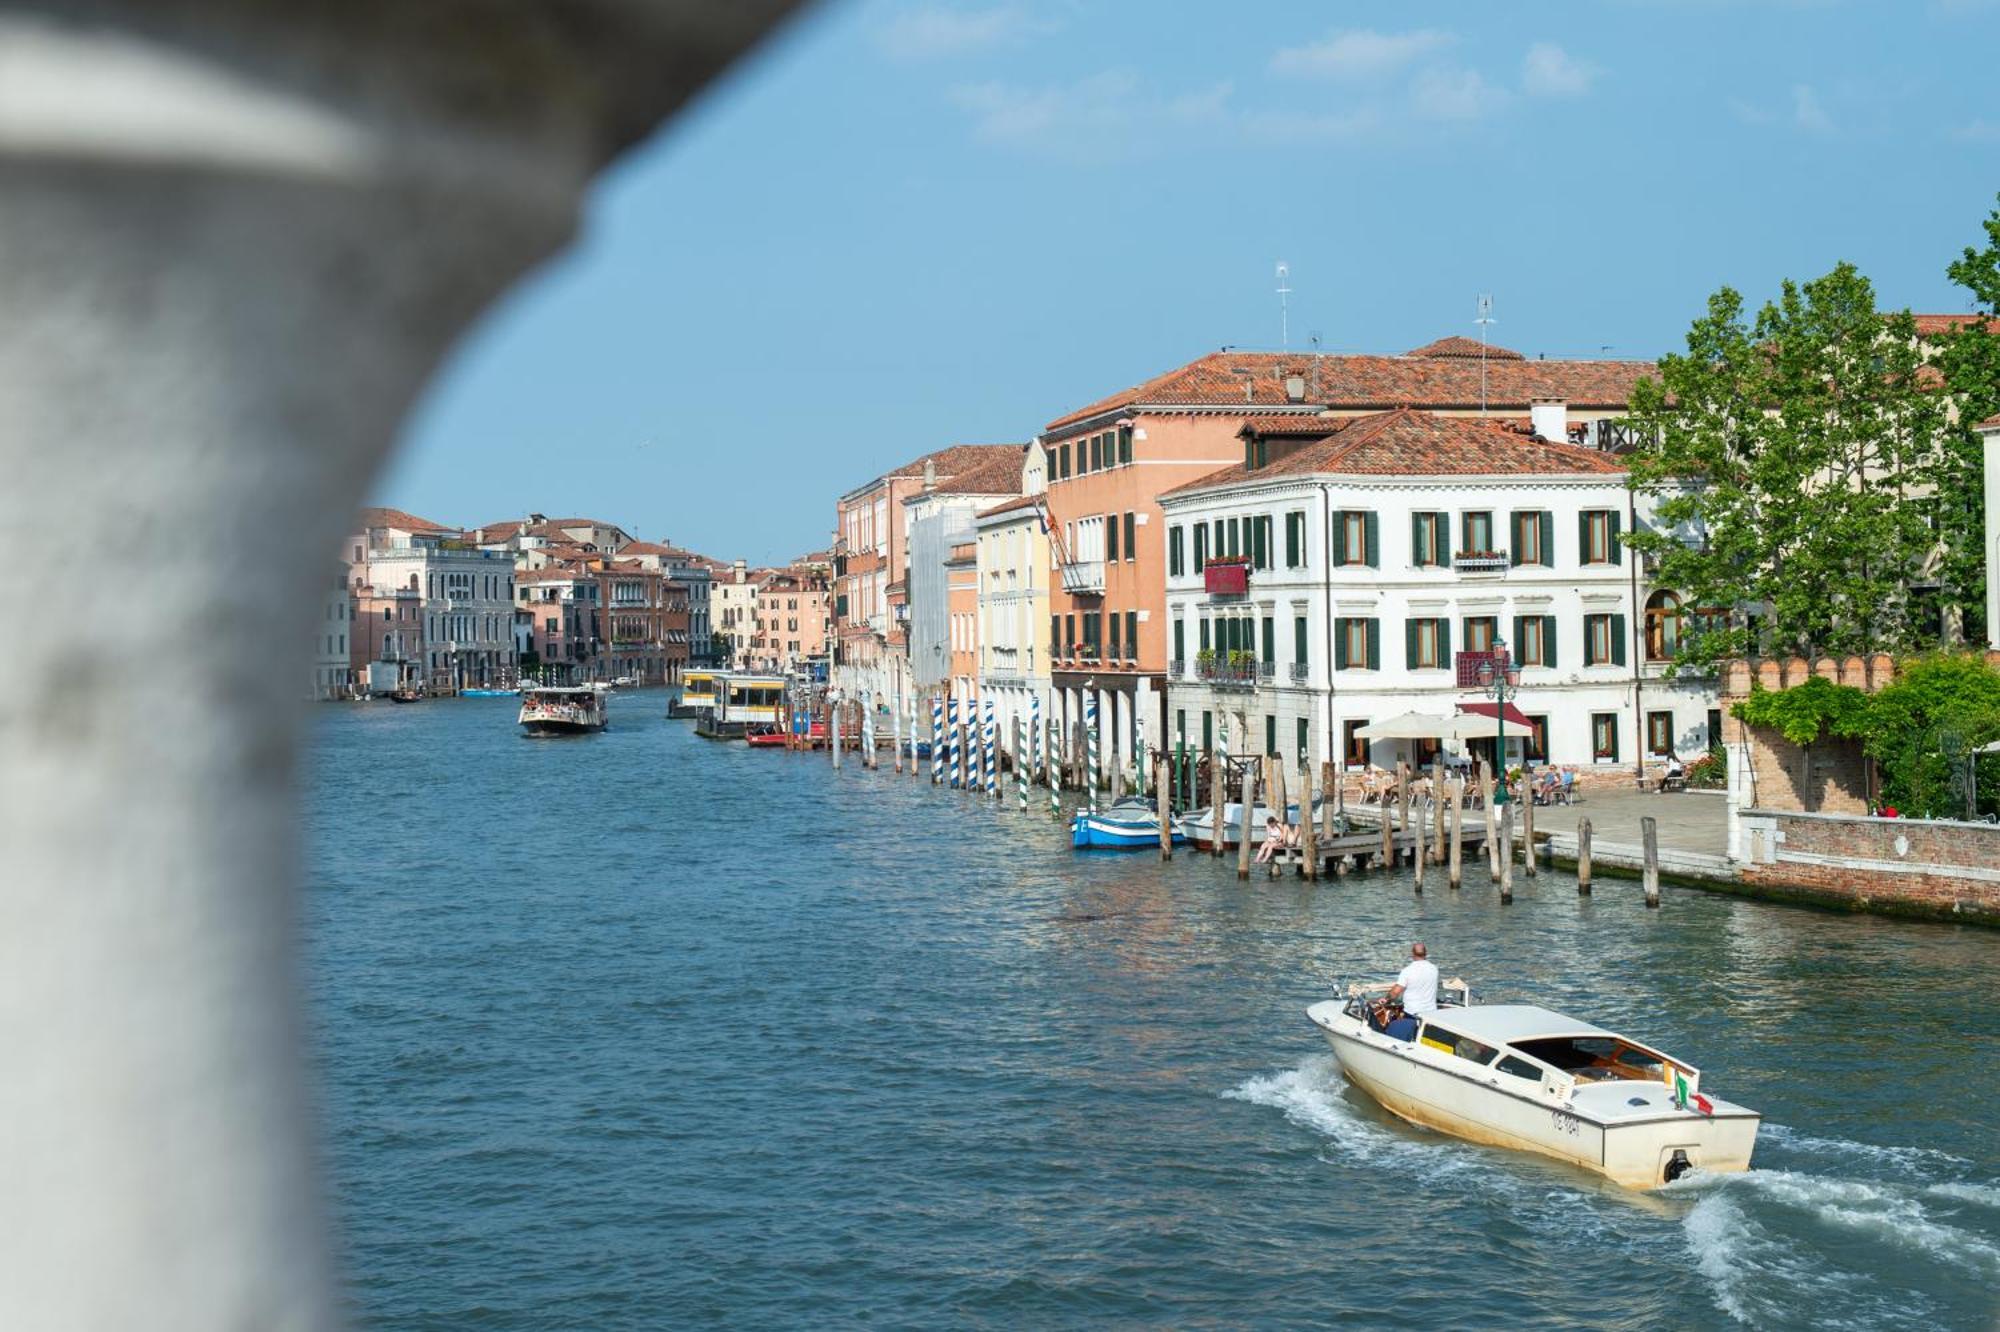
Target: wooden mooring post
column 1163, row 802
column 1455, row 844
column 1420, row 852
column 1649, row 837
column 1507, row 855
column 833, row 730
column 1308, row 823
column 1218, row 796
column 1437, row 806
column 1403, row 808
column 1492, row 831
column 896, row 733
column 1528, row 834
column 1583, row 857
column 1274, row 796
column 1243, row 823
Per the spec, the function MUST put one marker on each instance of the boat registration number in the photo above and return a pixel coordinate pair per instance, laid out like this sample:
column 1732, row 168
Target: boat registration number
column 1565, row 1122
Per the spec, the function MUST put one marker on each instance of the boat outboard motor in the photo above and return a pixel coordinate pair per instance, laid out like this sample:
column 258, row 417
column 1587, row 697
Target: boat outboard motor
column 1677, row 1165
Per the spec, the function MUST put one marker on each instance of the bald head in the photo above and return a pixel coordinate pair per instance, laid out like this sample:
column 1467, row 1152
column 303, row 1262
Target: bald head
column 1418, row 950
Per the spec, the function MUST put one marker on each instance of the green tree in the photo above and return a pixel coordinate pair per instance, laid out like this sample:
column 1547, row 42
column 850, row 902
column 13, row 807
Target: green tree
column 1922, row 729
column 1783, row 453
column 1970, row 360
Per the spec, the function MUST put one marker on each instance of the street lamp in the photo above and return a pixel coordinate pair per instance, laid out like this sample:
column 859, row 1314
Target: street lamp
column 1497, row 675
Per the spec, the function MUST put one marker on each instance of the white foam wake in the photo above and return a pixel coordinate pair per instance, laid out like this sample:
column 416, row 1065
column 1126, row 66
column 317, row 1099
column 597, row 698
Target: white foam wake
column 1902, row 1160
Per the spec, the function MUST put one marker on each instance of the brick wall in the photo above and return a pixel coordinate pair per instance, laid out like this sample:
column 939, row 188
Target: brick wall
column 1933, row 868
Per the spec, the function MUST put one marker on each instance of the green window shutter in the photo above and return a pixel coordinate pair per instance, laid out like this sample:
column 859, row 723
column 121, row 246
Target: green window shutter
column 1547, row 520
column 1339, row 538
column 1417, row 554
column 1549, row 641
column 1270, row 734
column 1520, row 635
column 1299, row 639
column 1180, row 642
column 1132, row 632
column 1374, row 541
column 1294, row 540
column 1200, row 546
column 1618, row 640
column 1340, row 645
column 1207, row 730
column 1111, row 537
column 1410, row 644
column 1444, row 643
column 1303, row 742
column 1617, row 546
column 1514, row 539
column 1583, row 537
column 1173, row 550
column 1270, row 643
column 1257, row 551
column 1131, row 542
column 1614, row 737
column 1374, row 645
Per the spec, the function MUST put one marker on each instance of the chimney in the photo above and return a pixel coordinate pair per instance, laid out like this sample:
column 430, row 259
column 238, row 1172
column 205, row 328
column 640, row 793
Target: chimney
column 1550, row 418
column 1295, row 388
column 930, row 475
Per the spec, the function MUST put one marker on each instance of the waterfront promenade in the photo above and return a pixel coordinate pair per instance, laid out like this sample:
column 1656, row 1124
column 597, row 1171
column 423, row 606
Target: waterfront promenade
column 640, row 1030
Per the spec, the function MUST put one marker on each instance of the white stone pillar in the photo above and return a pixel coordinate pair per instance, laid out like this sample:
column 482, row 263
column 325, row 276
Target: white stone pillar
column 235, row 239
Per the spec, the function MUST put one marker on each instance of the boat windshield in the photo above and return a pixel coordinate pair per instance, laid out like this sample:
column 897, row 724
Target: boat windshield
column 1595, row 1058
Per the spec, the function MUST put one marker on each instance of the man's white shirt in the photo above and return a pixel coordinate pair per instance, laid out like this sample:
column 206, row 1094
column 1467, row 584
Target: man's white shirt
column 1420, row 986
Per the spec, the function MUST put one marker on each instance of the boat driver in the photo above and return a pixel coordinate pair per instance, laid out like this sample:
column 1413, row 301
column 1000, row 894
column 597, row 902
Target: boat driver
column 1413, row 996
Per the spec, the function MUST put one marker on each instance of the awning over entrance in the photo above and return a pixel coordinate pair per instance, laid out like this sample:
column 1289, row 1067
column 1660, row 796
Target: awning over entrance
column 1515, row 717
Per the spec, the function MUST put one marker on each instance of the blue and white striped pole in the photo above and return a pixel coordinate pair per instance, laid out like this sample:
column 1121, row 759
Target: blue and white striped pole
column 951, row 740
column 937, row 740
column 1021, row 758
column 1035, row 735
column 1090, row 754
column 989, row 748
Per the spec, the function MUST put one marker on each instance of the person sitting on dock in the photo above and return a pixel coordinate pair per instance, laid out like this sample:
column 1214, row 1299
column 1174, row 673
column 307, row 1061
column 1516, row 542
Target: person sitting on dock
column 1277, row 837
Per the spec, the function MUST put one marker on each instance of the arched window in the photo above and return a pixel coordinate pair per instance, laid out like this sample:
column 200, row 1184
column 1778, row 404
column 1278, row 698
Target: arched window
column 1663, row 626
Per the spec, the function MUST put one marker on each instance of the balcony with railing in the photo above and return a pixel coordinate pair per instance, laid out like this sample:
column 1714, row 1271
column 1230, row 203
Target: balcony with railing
column 1238, row 672
column 1083, row 577
column 1300, row 671
column 1480, row 562
column 1177, row 669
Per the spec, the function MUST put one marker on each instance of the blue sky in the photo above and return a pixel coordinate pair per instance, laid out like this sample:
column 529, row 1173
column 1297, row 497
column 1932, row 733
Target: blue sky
column 905, row 225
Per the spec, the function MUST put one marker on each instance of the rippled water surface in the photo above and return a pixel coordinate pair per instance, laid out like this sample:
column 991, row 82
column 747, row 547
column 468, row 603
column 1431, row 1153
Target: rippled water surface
column 637, row 1030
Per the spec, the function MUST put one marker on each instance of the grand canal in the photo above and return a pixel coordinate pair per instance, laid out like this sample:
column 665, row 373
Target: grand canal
column 641, row 1031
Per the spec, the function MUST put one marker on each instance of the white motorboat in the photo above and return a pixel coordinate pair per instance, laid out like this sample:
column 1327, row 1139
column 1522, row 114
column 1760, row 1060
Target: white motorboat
column 550, row 710
column 1515, row 1075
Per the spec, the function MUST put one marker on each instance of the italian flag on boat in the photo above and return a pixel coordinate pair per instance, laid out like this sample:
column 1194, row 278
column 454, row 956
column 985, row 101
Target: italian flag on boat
column 1684, row 1093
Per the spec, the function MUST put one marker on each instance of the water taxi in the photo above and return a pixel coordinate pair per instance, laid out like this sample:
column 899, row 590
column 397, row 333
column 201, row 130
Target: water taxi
column 1519, row 1076
column 554, row 710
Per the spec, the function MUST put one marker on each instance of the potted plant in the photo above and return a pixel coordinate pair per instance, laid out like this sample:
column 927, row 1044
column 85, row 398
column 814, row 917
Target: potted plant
column 1204, row 661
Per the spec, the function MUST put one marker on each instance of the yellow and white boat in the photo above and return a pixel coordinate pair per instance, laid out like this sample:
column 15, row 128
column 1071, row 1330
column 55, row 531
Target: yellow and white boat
column 1519, row 1076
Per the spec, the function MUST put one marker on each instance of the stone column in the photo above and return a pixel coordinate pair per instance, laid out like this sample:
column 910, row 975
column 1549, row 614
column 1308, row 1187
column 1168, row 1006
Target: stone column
column 235, row 239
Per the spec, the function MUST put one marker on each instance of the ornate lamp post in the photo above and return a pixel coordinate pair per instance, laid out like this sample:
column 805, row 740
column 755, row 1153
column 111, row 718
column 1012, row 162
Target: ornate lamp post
column 1500, row 677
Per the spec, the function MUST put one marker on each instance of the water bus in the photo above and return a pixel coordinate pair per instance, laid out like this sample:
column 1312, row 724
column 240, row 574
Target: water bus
column 697, row 694
column 1519, row 1076
column 562, row 710
column 744, row 701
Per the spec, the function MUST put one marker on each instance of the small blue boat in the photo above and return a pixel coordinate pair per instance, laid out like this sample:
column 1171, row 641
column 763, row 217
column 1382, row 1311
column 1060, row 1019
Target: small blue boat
column 1131, row 824
column 488, row 693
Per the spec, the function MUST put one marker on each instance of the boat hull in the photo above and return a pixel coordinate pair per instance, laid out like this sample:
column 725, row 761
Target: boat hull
column 1095, row 834
column 554, row 726
column 1475, row 1107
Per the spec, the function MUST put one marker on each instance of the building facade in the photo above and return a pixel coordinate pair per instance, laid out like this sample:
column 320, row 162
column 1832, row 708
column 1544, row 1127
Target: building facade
column 1318, row 585
column 333, row 667
column 1013, row 572
column 938, row 520
column 565, row 622
column 467, row 593
column 1109, row 462
column 960, row 571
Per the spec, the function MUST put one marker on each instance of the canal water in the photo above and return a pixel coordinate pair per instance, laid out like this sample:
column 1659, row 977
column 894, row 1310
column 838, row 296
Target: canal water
column 638, row 1030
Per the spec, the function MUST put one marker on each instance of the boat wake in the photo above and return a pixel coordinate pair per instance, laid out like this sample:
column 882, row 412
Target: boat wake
column 1916, row 1243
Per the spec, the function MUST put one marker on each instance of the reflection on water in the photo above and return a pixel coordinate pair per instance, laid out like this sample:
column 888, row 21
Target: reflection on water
column 645, row 1030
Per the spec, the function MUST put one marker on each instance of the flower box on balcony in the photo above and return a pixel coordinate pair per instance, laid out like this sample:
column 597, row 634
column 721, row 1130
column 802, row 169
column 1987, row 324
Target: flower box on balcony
column 1226, row 578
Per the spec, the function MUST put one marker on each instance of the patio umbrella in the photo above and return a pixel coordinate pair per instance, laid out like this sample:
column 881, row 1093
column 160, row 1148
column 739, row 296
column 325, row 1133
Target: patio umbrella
column 1476, row 726
column 1406, row 726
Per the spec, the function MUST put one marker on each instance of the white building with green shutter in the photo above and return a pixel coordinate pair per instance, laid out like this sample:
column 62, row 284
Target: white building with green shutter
column 1341, row 572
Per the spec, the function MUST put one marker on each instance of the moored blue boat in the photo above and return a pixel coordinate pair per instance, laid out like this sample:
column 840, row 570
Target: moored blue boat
column 1130, row 824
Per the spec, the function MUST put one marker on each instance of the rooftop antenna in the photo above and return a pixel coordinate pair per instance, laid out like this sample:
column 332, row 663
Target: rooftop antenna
column 1314, row 339
column 1284, row 312
column 1485, row 318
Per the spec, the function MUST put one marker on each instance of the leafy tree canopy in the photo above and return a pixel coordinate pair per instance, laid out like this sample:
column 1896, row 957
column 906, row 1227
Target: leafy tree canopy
column 1785, row 451
column 1803, row 711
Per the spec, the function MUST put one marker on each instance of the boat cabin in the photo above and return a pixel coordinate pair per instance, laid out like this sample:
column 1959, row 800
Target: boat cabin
column 750, row 700
column 698, row 689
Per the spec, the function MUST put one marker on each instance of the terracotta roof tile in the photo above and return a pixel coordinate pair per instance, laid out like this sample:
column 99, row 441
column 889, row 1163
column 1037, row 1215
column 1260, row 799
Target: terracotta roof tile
column 1254, row 382
column 1413, row 443
column 1932, row 325
column 1008, row 506
column 396, row 518
column 1990, row 423
column 1464, row 349
column 1304, row 423
column 995, row 474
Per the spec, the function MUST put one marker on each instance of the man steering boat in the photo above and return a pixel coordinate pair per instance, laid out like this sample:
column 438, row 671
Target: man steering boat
column 1413, row 996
